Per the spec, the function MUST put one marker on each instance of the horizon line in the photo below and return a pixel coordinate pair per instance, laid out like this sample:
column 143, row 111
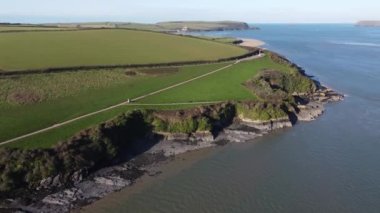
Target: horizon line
column 136, row 22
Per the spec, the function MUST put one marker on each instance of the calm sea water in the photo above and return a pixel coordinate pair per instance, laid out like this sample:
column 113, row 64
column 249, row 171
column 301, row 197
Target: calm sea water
column 330, row 165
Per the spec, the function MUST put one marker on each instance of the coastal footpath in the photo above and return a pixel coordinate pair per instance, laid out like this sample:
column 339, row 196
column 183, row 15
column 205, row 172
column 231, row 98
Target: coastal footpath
column 114, row 154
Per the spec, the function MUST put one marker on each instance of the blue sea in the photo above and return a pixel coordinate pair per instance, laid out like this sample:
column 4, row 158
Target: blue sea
column 329, row 165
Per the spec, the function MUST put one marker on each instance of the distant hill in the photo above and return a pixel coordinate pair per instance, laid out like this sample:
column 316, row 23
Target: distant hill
column 368, row 23
column 174, row 26
column 204, row 26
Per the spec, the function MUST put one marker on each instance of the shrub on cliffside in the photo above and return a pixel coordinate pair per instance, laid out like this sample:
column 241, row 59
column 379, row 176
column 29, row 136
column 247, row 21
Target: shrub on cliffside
column 181, row 125
column 19, row 168
column 279, row 59
column 204, row 124
column 90, row 149
column 297, row 81
column 261, row 111
column 193, row 120
column 99, row 146
column 279, row 86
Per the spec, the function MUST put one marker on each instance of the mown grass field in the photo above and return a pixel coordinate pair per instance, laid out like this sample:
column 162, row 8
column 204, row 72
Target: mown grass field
column 5, row 28
column 76, row 95
column 221, row 86
column 38, row 88
column 39, row 50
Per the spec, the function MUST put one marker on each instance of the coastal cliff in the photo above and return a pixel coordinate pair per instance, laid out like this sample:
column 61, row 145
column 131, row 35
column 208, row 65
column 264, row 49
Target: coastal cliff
column 112, row 155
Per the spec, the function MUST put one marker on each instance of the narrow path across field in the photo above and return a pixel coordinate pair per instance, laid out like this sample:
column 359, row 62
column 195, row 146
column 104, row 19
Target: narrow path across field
column 135, row 104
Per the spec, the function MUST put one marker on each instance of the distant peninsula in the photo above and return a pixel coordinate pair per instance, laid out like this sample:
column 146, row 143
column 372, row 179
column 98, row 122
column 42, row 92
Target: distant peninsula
column 368, row 24
column 169, row 27
column 204, row 26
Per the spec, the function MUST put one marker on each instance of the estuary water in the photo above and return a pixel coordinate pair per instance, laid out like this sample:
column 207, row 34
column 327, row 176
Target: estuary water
column 329, row 165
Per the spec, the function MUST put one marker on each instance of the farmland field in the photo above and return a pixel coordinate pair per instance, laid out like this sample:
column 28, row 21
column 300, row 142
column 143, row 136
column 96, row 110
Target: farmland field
column 76, row 95
column 6, row 28
column 221, row 86
column 39, row 50
column 29, row 103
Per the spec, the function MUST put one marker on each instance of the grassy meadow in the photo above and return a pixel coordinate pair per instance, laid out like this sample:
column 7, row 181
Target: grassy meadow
column 76, row 95
column 221, row 86
column 41, row 50
column 32, row 102
column 7, row 28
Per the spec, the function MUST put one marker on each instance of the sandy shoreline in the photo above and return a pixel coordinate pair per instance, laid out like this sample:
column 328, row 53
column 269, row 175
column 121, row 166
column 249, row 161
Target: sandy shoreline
column 251, row 43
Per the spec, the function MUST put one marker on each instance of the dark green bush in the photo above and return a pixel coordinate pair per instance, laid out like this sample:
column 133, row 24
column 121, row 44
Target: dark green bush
column 261, row 111
column 278, row 86
column 90, row 149
column 204, row 124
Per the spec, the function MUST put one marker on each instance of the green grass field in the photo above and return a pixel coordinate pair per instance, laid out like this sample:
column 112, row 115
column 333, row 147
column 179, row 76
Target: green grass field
column 32, row 102
column 38, row 50
column 19, row 119
column 221, row 86
column 31, row 89
column 6, row 28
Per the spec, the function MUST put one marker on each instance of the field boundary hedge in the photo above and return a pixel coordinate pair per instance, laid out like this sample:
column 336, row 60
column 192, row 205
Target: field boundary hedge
column 252, row 52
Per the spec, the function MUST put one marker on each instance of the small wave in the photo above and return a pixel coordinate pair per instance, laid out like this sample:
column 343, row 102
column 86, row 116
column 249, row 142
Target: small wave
column 357, row 44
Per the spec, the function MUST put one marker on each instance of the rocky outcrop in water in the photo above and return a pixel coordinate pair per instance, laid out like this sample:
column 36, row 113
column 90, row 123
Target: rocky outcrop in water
column 314, row 107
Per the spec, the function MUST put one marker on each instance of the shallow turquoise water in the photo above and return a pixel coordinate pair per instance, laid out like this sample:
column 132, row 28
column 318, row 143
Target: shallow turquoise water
column 330, row 165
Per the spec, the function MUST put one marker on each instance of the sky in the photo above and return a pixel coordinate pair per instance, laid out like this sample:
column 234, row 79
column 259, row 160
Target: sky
column 152, row 11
